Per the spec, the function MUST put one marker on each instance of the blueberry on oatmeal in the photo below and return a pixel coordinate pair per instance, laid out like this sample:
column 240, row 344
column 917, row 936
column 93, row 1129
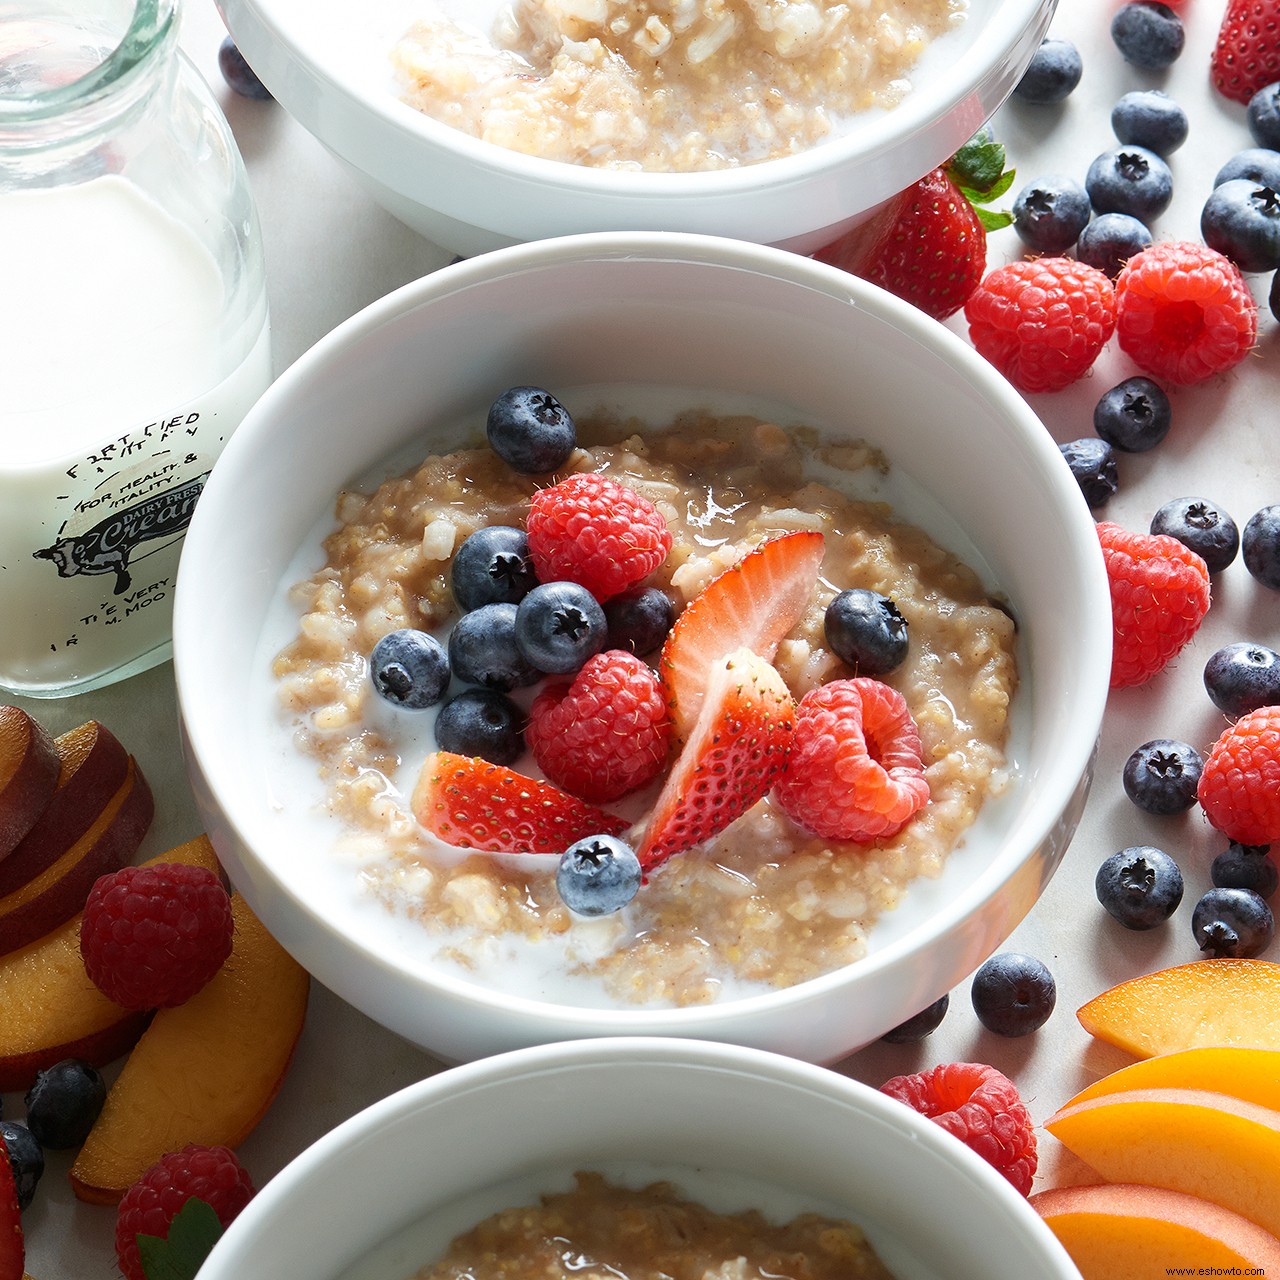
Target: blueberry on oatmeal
column 559, row 625
column 530, row 430
column 484, row 723
column 483, row 650
column 866, row 630
column 639, row 620
column 598, row 876
column 492, row 566
column 410, row 669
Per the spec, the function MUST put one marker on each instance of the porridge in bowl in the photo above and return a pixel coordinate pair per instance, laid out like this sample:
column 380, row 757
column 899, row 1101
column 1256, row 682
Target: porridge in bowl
column 744, row 904
column 666, row 85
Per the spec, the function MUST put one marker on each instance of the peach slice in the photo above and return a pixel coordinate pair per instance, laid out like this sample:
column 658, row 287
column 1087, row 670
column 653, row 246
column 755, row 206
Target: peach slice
column 28, row 775
column 1130, row 1232
column 60, row 890
column 1253, row 1075
column 1201, row 1004
column 53, row 1011
column 1206, row 1144
column 205, row 1071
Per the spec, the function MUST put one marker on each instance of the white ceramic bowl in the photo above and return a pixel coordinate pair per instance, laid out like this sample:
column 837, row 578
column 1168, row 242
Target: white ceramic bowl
column 327, row 62
column 970, row 462
column 385, row 1192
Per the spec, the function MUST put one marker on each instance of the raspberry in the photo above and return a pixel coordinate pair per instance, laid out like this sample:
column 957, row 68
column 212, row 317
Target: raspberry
column 591, row 530
column 1184, row 312
column 981, row 1107
column 1159, row 594
column 211, row 1174
column 606, row 734
column 1042, row 321
column 855, row 770
column 152, row 936
column 1240, row 786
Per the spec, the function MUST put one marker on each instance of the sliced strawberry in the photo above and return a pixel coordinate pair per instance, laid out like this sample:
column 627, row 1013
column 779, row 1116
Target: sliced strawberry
column 752, row 606
column 12, row 1245
column 468, row 802
column 737, row 749
column 1246, row 54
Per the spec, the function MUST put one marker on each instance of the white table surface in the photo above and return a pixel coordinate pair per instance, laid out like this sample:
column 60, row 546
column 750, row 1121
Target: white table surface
column 330, row 251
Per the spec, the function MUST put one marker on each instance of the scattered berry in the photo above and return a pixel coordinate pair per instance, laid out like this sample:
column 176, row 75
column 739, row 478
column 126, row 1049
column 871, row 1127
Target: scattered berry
column 866, row 630
column 211, row 1174
column 484, row 723
column 1110, row 240
column 530, row 430
column 1258, row 164
column 1130, row 180
column 1235, row 923
column 1134, row 416
column 1240, row 678
column 1242, row 220
column 492, row 566
column 1054, row 71
column 606, row 734
column 980, row 1106
column 1260, row 546
column 1013, row 994
column 1183, row 312
column 1148, row 34
column 1246, row 54
column 1150, row 118
column 1263, row 116
column 1050, row 213
column 856, row 770
column 1161, row 776
column 1245, row 866
column 639, row 620
column 1240, row 786
column 598, row 876
column 239, row 75
column 594, row 531
column 922, row 1024
column 1042, row 322
column 1201, row 525
column 26, row 1159
column 410, row 669
column 483, row 650
column 151, row 937
column 559, row 625
column 1159, row 595
column 64, row 1102
column 1093, row 463
column 1139, row 887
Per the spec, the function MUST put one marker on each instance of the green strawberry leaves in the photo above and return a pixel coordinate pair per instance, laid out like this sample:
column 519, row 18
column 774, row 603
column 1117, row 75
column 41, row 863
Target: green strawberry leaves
column 978, row 171
column 194, row 1231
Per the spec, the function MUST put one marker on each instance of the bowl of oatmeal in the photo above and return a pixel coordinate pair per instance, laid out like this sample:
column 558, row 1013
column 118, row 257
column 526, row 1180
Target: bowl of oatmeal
column 756, row 401
column 482, row 123
column 639, row 1158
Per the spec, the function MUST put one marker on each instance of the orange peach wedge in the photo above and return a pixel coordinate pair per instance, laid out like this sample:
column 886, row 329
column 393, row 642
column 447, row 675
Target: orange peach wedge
column 1130, row 1232
column 28, row 775
column 1252, row 1075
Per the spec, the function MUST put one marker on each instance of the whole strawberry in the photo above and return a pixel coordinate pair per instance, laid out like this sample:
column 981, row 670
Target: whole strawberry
column 1159, row 595
column 1042, row 321
column 1246, row 56
column 152, row 936
column 1239, row 788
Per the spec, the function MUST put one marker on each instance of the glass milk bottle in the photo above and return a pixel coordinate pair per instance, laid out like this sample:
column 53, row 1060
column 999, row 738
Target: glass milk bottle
column 133, row 330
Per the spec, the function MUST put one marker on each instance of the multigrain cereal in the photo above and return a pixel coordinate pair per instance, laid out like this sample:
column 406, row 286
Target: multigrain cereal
column 762, row 904
column 667, row 85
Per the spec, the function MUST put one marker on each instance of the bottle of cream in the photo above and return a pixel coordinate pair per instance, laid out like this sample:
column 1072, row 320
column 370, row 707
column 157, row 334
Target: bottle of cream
column 133, row 335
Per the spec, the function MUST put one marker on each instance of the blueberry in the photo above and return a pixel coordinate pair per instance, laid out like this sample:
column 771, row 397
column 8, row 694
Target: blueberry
column 598, row 875
column 1201, row 525
column 1264, row 116
column 1257, row 164
column 1053, row 72
column 923, row 1024
column 1161, row 776
column 559, row 625
column 410, row 669
column 1013, row 994
column 1135, row 415
column 1140, row 886
column 1150, row 118
column 1240, row 678
column 484, row 723
column 1110, row 240
column 1273, row 296
column 1093, row 463
column 1232, row 922
column 238, row 74
column 866, row 630
column 483, row 650
column 1245, row 866
column 64, row 1102
column 1130, row 180
column 1148, row 34
column 26, row 1156
column 1050, row 213
column 530, row 430
column 639, row 620
column 1242, row 220
column 492, row 567
column 1260, row 546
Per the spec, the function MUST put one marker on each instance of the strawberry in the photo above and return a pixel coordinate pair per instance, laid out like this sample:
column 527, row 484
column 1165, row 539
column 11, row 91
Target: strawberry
column 12, row 1245
column 737, row 749
column 928, row 244
column 1246, row 56
column 468, row 802
column 752, row 605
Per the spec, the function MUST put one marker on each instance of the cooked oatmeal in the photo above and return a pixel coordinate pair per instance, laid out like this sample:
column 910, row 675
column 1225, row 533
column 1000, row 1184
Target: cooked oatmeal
column 667, row 85
column 763, row 903
column 599, row 1231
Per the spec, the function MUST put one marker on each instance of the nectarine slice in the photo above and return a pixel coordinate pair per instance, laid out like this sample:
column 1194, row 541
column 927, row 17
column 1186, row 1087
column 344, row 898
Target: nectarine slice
column 205, row 1071
column 1250, row 1074
column 1130, row 1232
column 1206, row 1144
column 28, row 774
column 51, row 1009
column 1188, row 1006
